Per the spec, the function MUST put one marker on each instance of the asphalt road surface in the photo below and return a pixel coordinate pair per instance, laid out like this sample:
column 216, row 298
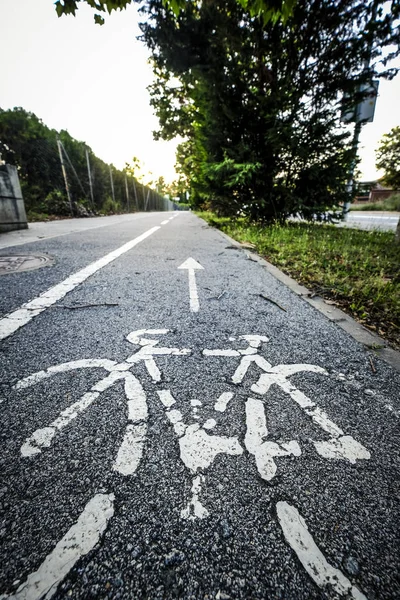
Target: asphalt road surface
column 381, row 221
column 176, row 423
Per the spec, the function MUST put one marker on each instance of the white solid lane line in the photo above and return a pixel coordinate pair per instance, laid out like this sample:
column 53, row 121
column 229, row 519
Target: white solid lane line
column 77, row 542
column 297, row 535
column 39, row 231
column 20, row 317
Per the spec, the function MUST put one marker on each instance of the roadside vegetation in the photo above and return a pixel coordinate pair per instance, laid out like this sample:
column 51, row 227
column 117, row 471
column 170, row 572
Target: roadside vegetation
column 27, row 143
column 390, row 204
column 356, row 270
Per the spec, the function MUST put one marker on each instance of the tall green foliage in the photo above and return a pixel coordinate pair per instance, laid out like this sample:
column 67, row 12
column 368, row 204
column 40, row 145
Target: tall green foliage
column 26, row 142
column 388, row 157
column 267, row 10
column 258, row 104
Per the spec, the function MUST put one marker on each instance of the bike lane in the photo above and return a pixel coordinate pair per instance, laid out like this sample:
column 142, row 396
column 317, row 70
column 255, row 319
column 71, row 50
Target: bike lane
column 253, row 479
column 67, row 254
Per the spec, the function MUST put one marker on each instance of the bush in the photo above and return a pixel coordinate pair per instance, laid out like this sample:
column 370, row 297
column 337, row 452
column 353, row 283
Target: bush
column 56, row 203
column 110, row 207
column 393, row 202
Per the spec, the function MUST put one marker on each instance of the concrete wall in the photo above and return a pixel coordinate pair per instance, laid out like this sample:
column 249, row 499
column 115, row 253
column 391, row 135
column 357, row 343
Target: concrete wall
column 12, row 207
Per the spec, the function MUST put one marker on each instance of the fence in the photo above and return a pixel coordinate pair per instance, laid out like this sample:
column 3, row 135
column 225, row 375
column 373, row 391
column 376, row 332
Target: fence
column 62, row 176
column 118, row 190
column 375, row 196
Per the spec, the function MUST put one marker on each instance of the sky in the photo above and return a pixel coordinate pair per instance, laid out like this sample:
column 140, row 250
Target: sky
column 92, row 81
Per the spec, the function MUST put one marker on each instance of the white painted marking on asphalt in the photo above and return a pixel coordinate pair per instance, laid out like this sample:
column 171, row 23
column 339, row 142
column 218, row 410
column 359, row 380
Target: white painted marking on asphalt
column 135, row 337
column 28, row 311
column 195, row 509
column 108, row 381
column 198, row 449
column 245, row 364
column 223, row 401
column 192, row 266
column 254, row 342
column 63, row 368
column 264, row 451
column 149, row 350
column 175, row 416
column 52, row 229
column 137, row 405
column 131, row 450
column 132, row 446
column 193, row 294
column 344, row 447
column 164, row 222
column 321, row 418
column 41, row 438
column 340, row 446
column 297, row 535
column 77, row 542
column 221, row 353
column 166, row 398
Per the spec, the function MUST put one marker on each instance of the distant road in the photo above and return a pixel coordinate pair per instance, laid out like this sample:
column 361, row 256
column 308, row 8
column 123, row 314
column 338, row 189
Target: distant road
column 384, row 221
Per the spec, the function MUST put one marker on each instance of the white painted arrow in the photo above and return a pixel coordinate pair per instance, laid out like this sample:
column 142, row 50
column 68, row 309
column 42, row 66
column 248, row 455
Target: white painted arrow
column 192, row 265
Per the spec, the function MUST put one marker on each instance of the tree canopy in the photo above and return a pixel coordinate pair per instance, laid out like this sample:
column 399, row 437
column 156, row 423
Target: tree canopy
column 255, row 87
column 258, row 105
column 27, row 143
column 267, row 10
column 388, row 157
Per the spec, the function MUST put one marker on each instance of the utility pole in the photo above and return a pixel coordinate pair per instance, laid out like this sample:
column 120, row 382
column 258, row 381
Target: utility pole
column 135, row 192
column 147, row 200
column 64, row 172
column 112, row 184
column 90, row 177
column 358, row 124
column 127, row 192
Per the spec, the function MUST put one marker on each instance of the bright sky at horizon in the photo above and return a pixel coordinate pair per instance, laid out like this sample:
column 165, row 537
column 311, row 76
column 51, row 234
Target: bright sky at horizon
column 88, row 79
column 92, row 81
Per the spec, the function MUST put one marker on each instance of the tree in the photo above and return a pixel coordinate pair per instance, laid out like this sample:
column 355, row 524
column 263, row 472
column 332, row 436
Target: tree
column 267, row 10
column 135, row 169
column 258, row 104
column 388, row 157
column 27, row 143
column 257, row 99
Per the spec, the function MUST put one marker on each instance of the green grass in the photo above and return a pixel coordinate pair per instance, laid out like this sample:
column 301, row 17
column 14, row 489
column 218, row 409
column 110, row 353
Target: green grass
column 38, row 216
column 357, row 269
column 391, row 204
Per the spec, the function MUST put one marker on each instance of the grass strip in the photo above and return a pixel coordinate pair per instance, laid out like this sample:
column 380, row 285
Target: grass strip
column 358, row 270
column 390, row 204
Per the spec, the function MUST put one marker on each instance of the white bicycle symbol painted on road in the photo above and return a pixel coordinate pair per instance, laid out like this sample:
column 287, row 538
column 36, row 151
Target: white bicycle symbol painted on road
column 198, row 445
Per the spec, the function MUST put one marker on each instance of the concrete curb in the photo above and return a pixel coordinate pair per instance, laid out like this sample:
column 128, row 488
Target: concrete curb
column 371, row 341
